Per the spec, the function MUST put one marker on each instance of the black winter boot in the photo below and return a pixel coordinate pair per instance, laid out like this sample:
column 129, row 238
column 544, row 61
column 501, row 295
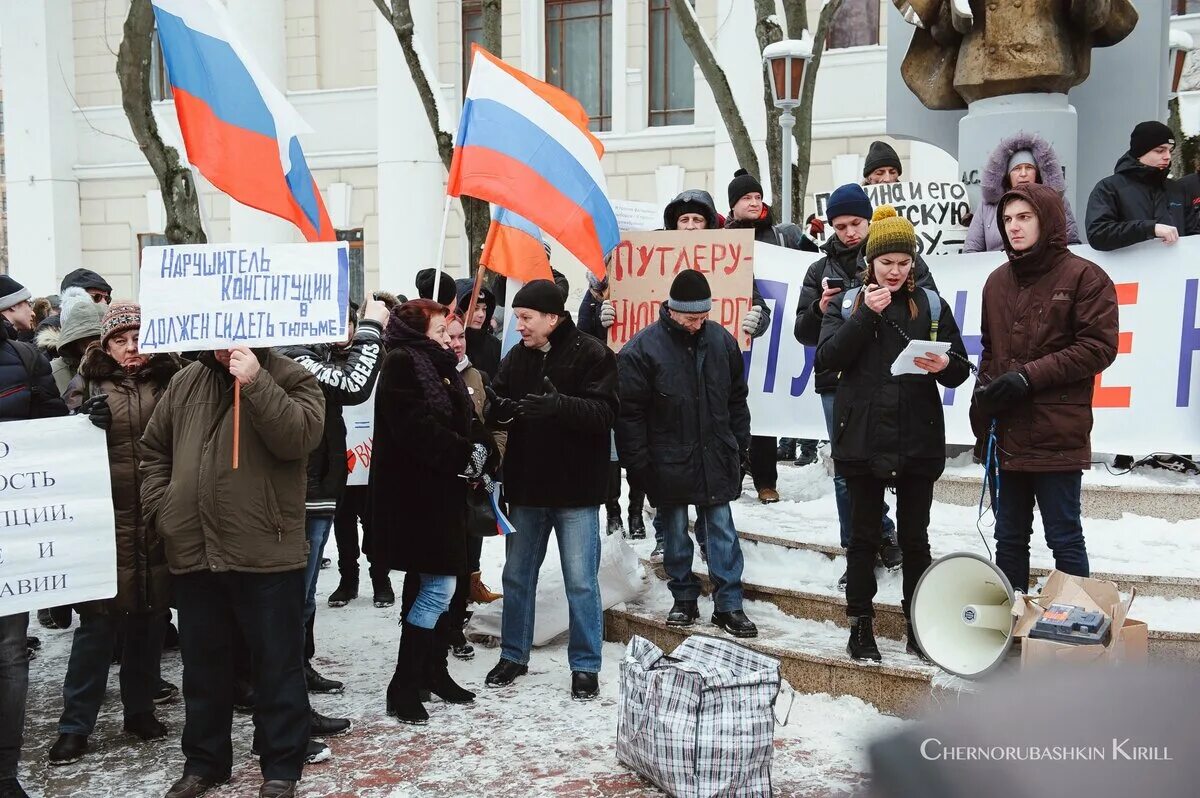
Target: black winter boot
column 612, row 512
column 347, row 591
column 910, row 638
column 890, row 553
column 637, row 526
column 437, row 675
column 862, row 639
column 382, row 586
column 403, row 702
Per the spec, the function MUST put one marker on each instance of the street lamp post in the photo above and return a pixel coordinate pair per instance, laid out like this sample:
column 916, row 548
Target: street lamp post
column 785, row 62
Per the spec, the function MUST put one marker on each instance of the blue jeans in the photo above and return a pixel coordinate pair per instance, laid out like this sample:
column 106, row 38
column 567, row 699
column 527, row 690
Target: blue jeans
column 724, row 555
column 841, row 493
column 660, row 530
column 316, row 528
column 1057, row 496
column 14, row 684
column 432, row 600
column 91, row 655
column 578, row 530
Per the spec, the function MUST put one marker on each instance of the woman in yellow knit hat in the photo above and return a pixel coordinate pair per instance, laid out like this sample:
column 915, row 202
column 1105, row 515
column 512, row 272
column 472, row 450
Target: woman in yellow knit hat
column 888, row 430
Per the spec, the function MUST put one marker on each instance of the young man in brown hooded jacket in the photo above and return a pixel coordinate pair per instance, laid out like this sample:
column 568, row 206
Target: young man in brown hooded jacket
column 1049, row 326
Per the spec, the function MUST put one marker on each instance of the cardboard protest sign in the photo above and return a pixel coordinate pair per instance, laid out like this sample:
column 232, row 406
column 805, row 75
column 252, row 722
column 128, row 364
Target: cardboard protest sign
column 57, row 535
column 937, row 209
column 360, row 435
column 214, row 296
column 644, row 264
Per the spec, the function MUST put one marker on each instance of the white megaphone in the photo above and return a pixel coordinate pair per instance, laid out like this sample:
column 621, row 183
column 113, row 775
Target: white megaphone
column 962, row 614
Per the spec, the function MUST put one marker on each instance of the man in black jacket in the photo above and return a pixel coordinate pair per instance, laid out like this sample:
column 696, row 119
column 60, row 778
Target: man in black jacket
column 1139, row 202
column 748, row 211
column 26, row 391
column 346, row 373
column 557, row 392
column 683, row 427
column 849, row 212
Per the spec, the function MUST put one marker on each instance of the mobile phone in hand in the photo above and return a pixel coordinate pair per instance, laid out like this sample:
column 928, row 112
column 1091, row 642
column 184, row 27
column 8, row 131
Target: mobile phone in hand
column 835, row 282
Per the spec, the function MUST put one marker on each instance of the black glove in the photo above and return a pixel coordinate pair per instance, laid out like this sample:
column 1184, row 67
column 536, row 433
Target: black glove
column 98, row 411
column 1003, row 392
column 500, row 410
column 540, row 406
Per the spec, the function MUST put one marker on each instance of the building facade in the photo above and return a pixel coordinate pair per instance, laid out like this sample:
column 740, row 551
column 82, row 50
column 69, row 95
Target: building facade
column 79, row 191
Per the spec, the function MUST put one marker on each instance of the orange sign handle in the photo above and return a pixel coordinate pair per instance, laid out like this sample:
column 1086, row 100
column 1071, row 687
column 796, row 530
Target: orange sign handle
column 237, row 420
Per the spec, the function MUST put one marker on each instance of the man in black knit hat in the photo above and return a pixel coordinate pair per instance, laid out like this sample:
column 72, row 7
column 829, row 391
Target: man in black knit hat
column 556, row 394
column 683, row 431
column 1138, row 201
column 748, row 211
column 882, row 164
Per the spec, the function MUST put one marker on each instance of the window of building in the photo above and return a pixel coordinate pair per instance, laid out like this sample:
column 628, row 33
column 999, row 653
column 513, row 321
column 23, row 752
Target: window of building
column 579, row 54
column 856, row 24
column 160, row 87
column 672, row 84
column 357, row 277
column 472, row 33
column 1186, row 6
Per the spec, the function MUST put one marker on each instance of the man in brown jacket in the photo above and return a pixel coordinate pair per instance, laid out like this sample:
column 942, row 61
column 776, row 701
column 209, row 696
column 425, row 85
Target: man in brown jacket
column 1049, row 326
column 236, row 546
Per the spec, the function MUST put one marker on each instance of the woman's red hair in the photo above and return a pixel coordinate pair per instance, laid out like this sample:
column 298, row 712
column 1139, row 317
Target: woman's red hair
column 419, row 313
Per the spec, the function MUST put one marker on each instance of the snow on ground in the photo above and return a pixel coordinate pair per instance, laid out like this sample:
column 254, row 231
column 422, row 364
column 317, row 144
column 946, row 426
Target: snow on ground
column 527, row 740
column 1101, row 474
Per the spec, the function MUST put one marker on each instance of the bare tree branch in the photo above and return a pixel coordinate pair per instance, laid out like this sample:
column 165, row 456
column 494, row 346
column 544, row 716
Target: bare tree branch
column 385, row 10
column 702, row 52
column 803, row 130
column 795, row 14
column 491, row 26
column 768, row 31
column 174, row 179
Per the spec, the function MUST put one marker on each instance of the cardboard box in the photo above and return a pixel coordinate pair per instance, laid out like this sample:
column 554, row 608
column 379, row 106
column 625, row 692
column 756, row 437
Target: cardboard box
column 1128, row 640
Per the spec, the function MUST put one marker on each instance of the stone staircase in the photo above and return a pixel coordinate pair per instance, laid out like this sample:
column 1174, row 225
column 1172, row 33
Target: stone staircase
column 804, row 625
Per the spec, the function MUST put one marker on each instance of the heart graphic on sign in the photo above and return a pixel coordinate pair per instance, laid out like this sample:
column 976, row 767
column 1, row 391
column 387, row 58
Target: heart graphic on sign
column 351, row 459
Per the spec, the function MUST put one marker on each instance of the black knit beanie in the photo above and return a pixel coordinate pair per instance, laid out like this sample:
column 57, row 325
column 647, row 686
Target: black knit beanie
column 542, row 296
column 1148, row 135
column 11, row 292
column 743, row 183
column 880, row 155
column 690, row 293
column 446, row 292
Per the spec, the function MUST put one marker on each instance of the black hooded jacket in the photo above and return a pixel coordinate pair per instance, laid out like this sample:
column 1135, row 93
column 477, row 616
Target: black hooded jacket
column 847, row 263
column 347, row 377
column 1125, row 206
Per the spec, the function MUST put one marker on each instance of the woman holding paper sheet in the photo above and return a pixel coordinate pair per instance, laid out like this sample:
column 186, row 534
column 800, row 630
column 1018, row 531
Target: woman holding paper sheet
column 888, row 430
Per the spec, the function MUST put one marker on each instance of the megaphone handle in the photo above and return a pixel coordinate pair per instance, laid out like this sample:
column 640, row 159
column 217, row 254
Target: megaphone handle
column 791, row 704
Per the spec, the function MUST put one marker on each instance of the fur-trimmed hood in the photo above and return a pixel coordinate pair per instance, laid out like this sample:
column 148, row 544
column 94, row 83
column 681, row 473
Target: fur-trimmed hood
column 98, row 366
column 1049, row 169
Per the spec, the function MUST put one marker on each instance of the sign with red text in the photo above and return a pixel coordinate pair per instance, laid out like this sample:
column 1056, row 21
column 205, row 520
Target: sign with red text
column 360, row 434
column 1146, row 401
column 644, row 265
column 58, row 543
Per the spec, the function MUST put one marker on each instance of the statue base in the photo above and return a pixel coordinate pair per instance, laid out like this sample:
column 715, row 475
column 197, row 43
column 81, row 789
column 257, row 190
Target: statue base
column 989, row 121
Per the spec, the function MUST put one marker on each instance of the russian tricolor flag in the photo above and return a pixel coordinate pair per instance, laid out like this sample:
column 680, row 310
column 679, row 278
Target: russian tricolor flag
column 238, row 129
column 514, row 248
column 524, row 145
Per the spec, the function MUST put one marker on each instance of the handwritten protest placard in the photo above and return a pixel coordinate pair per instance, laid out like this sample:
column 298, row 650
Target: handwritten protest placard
column 937, row 209
column 213, row 296
column 644, row 264
column 57, row 536
column 360, row 435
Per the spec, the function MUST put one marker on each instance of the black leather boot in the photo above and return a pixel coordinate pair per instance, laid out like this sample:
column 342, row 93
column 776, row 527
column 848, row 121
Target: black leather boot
column 403, row 701
column 862, row 639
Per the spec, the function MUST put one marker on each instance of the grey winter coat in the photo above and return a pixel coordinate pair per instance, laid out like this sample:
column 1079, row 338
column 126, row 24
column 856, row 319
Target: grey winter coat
column 984, row 233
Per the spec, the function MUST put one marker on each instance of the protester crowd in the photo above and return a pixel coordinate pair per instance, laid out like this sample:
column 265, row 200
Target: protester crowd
column 237, row 557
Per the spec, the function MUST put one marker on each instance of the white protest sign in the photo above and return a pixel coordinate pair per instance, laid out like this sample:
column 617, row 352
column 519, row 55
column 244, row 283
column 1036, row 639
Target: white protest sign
column 360, row 436
column 57, row 536
column 935, row 208
column 636, row 217
column 214, row 296
column 1145, row 402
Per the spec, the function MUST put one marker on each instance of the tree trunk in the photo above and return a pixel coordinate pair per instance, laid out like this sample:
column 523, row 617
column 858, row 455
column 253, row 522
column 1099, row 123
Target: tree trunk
column 476, row 213
column 174, row 179
column 693, row 36
column 767, row 31
column 803, row 129
column 1176, row 124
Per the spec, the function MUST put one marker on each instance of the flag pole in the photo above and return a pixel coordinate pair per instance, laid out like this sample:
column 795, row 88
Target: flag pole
column 441, row 256
column 237, row 420
column 479, row 272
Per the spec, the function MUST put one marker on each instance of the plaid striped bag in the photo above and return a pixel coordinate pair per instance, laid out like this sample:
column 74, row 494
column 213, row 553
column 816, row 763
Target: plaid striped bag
column 699, row 723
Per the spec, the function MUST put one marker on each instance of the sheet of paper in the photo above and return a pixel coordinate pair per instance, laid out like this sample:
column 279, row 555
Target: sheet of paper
column 904, row 363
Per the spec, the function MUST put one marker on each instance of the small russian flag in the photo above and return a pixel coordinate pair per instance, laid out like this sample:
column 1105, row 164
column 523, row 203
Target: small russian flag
column 503, row 525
